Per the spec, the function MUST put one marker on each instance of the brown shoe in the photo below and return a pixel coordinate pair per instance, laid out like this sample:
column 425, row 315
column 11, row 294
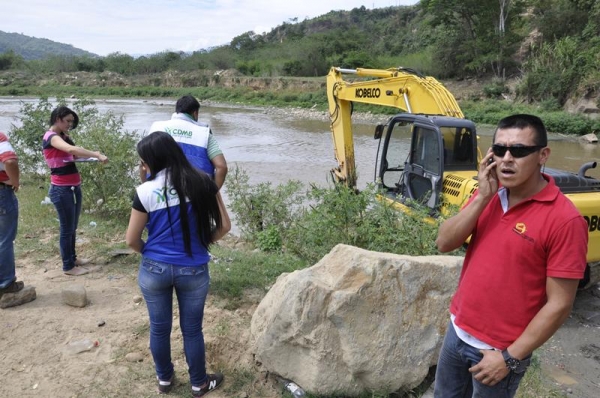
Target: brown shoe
column 76, row 271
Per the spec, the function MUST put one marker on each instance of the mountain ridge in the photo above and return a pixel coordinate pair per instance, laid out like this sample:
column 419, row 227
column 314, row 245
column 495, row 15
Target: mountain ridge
column 33, row 48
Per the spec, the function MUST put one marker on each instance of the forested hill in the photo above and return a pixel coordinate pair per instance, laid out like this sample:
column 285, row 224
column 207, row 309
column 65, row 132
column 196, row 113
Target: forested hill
column 33, row 48
column 551, row 48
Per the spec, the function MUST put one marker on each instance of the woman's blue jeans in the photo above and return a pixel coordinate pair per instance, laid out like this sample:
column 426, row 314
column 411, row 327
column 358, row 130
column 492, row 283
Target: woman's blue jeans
column 452, row 376
column 9, row 218
column 157, row 281
column 67, row 200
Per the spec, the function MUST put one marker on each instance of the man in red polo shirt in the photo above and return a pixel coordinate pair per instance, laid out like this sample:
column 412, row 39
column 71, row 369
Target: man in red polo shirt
column 9, row 216
column 525, row 258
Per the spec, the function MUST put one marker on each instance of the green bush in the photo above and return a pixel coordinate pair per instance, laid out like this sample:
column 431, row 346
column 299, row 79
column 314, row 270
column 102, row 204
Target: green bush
column 107, row 189
column 261, row 210
column 310, row 224
column 494, row 90
column 27, row 139
column 556, row 121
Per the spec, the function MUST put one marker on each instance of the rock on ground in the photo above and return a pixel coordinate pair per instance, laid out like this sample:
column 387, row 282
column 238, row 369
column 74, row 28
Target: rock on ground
column 356, row 321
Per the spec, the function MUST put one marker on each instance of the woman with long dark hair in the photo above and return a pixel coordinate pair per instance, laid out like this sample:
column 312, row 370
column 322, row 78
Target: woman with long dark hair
column 61, row 153
column 184, row 213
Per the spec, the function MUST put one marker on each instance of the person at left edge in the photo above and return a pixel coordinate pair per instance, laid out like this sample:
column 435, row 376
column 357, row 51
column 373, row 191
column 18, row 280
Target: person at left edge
column 9, row 216
column 60, row 153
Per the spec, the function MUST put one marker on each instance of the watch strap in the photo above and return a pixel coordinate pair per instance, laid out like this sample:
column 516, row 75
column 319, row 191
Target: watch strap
column 514, row 364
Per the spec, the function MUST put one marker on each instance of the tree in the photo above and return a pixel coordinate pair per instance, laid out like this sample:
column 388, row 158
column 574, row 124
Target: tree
column 9, row 60
column 120, row 63
column 483, row 32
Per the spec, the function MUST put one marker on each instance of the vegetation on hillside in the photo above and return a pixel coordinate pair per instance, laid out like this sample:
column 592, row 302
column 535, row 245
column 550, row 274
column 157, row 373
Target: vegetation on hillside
column 552, row 47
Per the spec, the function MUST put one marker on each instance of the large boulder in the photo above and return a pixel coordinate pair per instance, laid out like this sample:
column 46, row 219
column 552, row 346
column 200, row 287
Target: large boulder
column 356, row 321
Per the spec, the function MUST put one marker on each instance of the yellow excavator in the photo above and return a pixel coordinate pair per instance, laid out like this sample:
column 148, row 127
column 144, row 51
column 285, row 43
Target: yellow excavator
column 429, row 153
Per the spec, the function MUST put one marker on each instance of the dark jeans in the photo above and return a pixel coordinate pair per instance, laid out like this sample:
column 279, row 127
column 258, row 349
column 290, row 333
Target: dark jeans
column 157, row 281
column 452, row 376
column 67, row 200
column 9, row 218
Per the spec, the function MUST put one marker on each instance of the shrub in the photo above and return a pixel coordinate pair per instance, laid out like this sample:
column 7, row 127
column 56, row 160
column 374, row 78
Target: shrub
column 263, row 212
column 27, row 139
column 494, row 90
column 310, row 224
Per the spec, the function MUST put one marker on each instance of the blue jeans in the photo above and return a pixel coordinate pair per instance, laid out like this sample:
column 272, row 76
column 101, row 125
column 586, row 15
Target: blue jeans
column 156, row 281
column 9, row 218
column 452, row 376
column 67, row 201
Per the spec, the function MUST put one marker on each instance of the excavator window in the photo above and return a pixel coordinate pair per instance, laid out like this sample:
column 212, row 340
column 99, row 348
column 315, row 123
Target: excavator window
column 459, row 149
column 425, row 166
column 395, row 154
column 426, row 152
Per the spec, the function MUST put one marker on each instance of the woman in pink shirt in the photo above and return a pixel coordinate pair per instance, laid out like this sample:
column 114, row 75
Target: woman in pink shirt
column 60, row 153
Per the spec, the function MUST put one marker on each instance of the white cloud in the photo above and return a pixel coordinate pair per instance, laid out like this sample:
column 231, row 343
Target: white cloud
column 151, row 26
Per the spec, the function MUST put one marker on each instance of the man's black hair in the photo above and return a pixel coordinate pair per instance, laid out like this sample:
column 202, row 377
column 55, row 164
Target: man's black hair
column 522, row 121
column 187, row 104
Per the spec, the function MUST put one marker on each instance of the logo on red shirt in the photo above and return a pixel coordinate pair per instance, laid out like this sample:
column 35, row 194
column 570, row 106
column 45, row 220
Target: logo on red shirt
column 520, row 228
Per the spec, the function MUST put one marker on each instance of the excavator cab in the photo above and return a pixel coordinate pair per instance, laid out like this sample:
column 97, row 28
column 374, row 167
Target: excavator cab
column 415, row 152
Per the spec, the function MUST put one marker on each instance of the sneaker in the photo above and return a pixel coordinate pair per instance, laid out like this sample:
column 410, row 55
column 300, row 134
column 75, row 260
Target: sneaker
column 164, row 387
column 213, row 382
column 14, row 287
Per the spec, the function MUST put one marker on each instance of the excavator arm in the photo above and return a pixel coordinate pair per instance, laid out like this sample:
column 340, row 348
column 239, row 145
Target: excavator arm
column 399, row 88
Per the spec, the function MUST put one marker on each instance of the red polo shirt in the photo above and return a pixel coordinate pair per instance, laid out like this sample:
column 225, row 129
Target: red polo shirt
column 503, row 281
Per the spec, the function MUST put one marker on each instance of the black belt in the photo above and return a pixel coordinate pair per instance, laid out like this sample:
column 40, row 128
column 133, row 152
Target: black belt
column 3, row 185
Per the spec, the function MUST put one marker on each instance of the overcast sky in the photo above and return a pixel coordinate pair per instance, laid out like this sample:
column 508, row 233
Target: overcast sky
column 150, row 26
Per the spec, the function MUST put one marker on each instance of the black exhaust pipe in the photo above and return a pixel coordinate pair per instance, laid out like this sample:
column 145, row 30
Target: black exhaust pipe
column 585, row 167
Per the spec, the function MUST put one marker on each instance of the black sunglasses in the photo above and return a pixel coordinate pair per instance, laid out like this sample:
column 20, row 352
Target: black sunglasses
column 517, row 151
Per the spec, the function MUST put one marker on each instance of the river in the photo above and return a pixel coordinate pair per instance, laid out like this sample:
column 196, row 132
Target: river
column 278, row 145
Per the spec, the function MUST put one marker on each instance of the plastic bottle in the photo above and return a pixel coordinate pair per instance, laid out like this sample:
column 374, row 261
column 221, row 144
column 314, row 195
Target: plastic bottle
column 75, row 347
column 294, row 388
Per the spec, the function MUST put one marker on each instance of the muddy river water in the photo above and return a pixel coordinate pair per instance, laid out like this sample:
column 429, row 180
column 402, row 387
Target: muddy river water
column 276, row 146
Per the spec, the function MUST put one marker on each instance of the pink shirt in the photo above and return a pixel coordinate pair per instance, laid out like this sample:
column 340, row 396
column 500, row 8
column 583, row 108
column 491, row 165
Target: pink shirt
column 63, row 171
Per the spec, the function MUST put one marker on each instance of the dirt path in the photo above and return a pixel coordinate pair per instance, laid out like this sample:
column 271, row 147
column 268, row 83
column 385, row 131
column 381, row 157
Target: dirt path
column 572, row 357
column 33, row 338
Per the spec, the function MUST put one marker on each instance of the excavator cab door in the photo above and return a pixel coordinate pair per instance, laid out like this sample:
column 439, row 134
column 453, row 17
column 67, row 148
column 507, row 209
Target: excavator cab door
column 410, row 162
column 424, row 170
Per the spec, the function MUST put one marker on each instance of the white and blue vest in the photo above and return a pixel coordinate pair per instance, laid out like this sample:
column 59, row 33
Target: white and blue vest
column 165, row 239
column 192, row 137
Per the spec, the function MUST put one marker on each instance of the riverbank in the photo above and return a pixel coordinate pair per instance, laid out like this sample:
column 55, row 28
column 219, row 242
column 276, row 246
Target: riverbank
column 478, row 102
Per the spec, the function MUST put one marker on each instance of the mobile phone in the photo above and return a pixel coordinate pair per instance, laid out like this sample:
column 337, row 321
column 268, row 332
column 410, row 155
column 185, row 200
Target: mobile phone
column 490, row 161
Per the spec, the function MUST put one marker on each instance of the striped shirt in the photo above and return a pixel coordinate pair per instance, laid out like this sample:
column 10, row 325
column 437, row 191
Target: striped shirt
column 63, row 171
column 6, row 153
